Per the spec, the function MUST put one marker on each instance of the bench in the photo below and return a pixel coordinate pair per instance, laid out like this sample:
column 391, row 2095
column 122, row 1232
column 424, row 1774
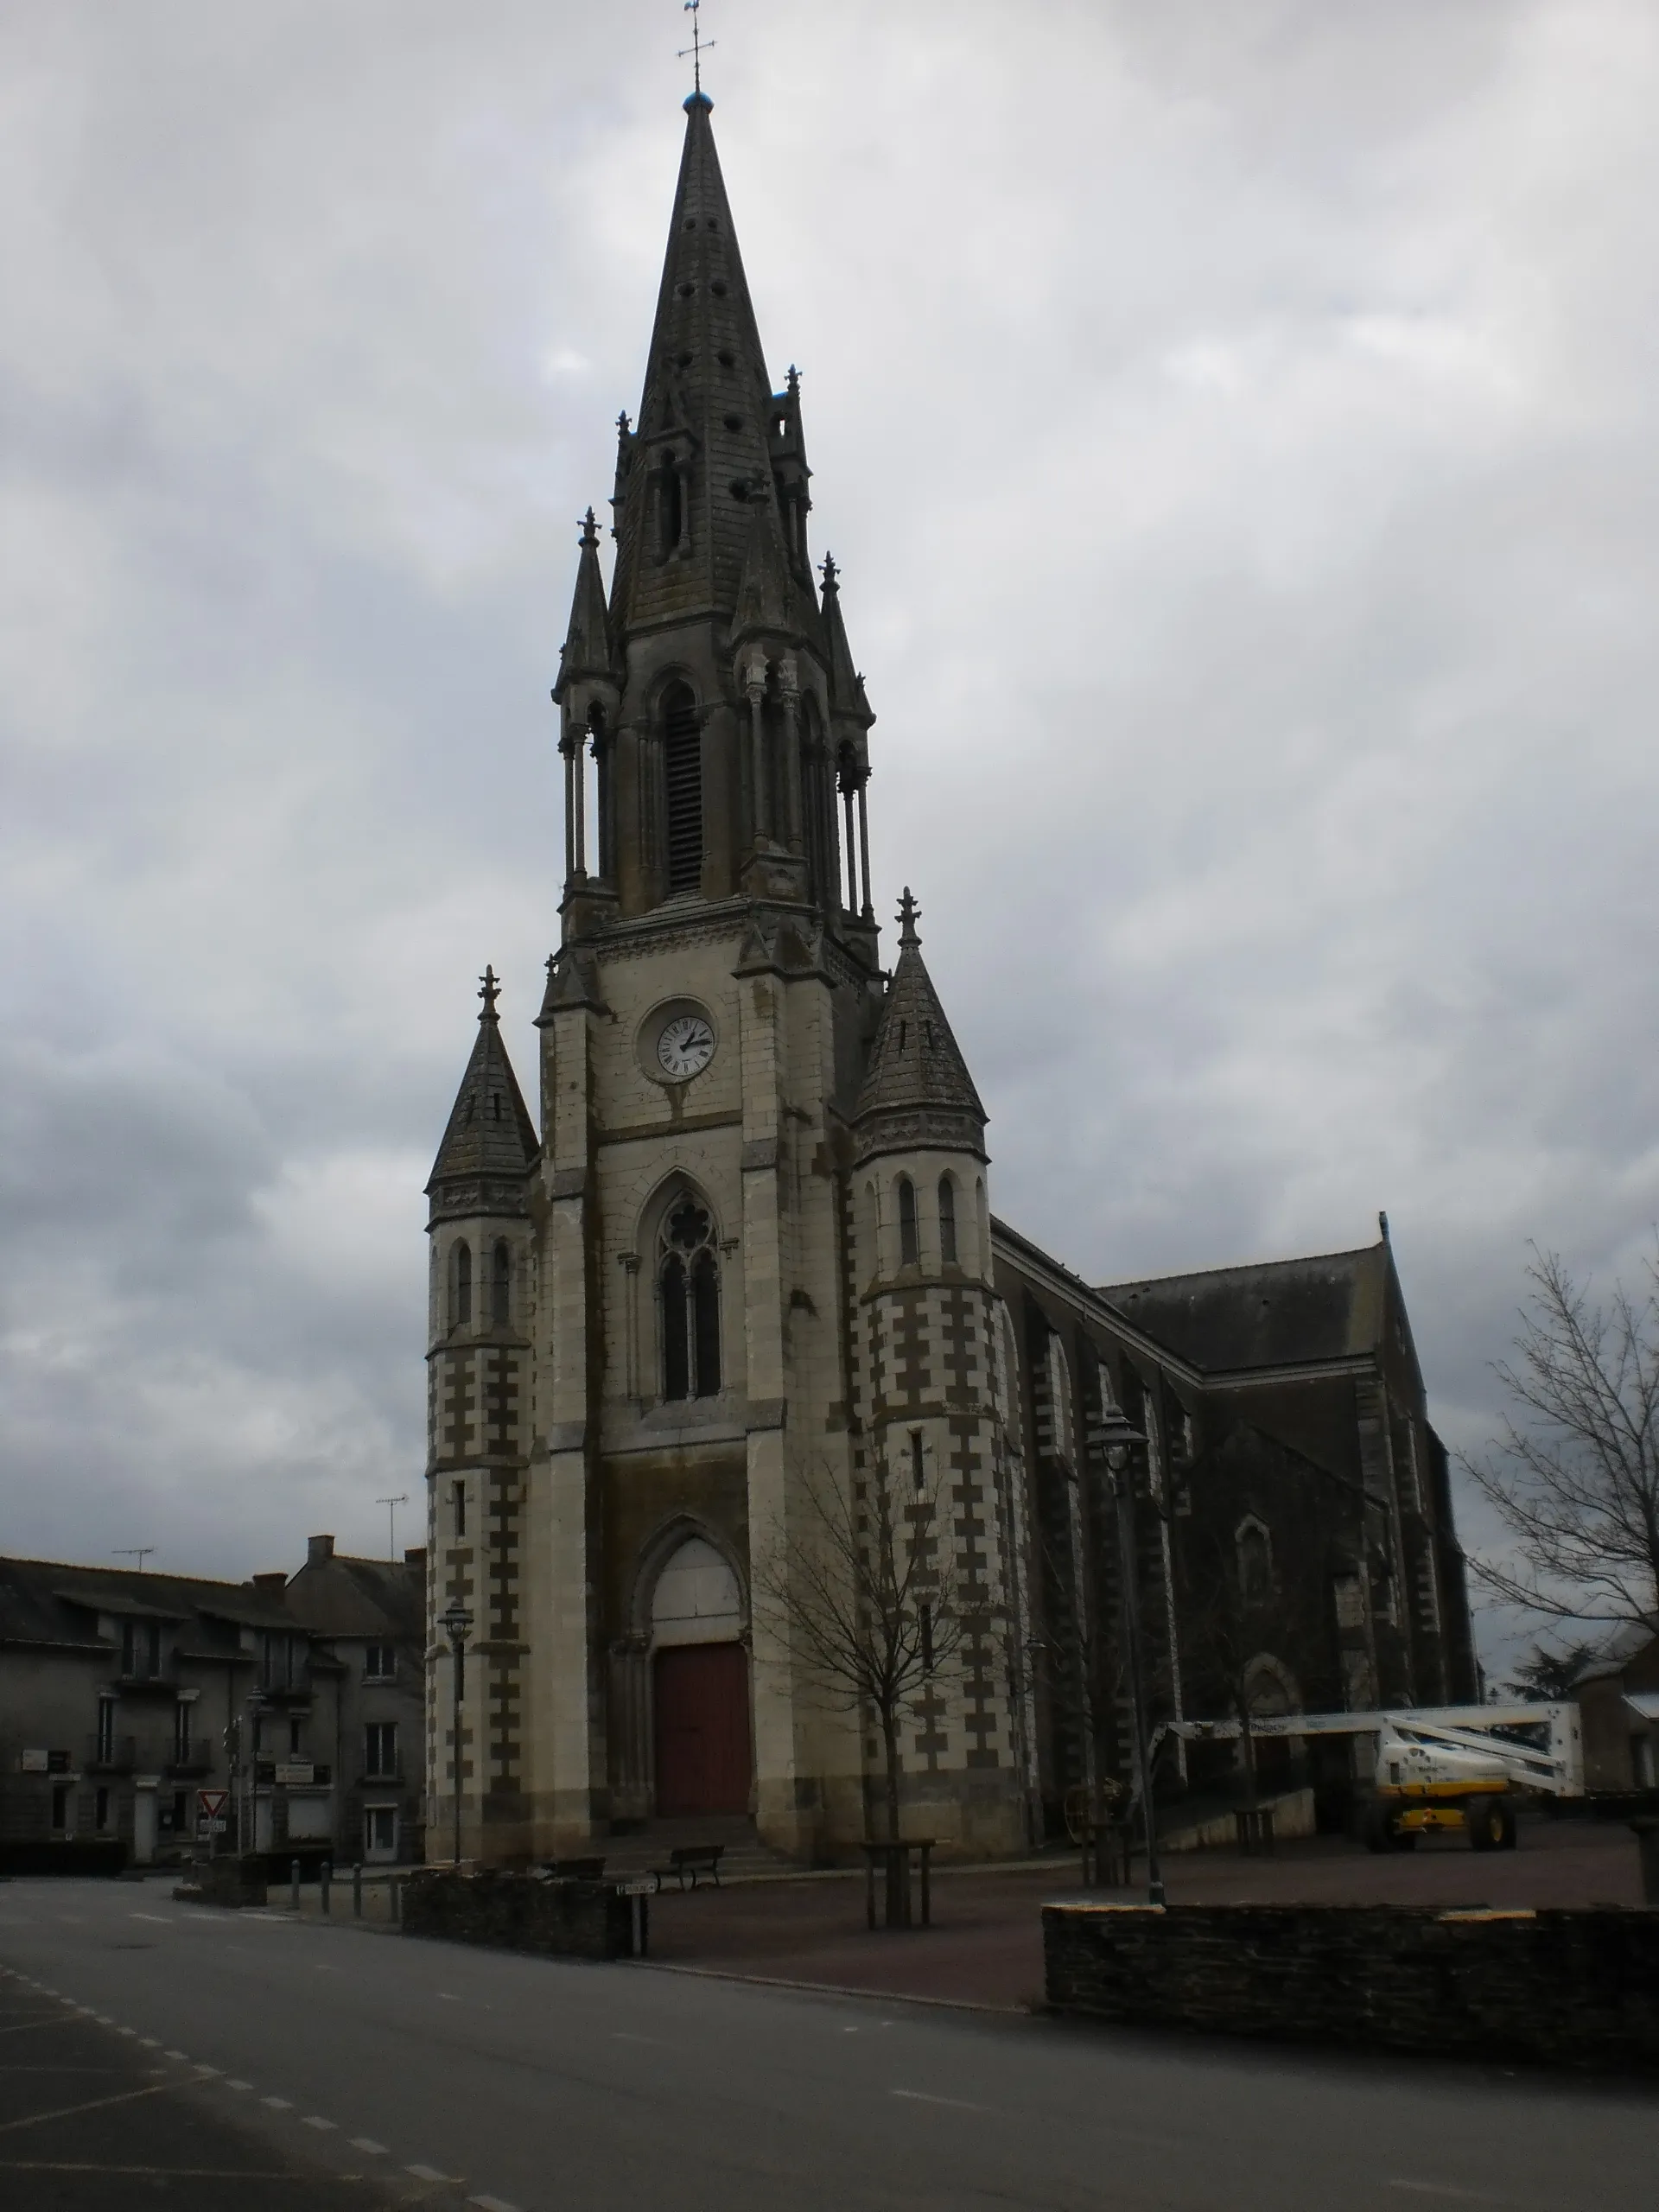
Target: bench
column 692, row 1858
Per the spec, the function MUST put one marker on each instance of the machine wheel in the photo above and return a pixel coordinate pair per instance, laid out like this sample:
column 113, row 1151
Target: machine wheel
column 1379, row 1830
column 1491, row 1827
column 1407, row 1840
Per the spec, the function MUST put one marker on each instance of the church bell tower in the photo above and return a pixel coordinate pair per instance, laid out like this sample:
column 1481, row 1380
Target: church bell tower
column 705, row 1301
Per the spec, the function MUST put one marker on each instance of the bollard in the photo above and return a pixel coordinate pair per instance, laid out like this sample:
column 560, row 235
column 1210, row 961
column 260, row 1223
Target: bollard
column 395, row 1900
column 325, row 1875
column 357, row 1890
column 293, row 1884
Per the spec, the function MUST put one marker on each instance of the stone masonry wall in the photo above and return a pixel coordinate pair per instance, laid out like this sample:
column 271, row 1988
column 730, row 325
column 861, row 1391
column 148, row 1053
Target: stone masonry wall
column 520, row 1912
column 1578, row 1988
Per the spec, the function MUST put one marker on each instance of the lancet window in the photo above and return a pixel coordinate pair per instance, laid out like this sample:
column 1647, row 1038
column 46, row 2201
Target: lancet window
column 909, row 1249
column 500, row 1283
column 947, row 1220
column 682, row 781
column 688, row 1280
column 461, row 1285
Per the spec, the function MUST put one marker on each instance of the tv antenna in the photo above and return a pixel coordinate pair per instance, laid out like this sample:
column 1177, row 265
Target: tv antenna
column 694, row 49
column 391, row 1505
column 140, row 1552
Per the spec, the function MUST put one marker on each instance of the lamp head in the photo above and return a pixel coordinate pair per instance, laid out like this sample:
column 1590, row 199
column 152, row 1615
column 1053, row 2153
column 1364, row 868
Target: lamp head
column 455, row 1621
column 1114, row 1437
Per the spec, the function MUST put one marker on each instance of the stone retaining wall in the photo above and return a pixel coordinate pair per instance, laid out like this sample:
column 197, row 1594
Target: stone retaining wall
column 521, row 1912
column 1577, row 1988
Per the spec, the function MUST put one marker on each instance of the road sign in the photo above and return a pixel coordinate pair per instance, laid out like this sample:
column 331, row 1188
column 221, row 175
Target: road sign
column 212, row 1828
column 647, row 1888
column 211, row 1803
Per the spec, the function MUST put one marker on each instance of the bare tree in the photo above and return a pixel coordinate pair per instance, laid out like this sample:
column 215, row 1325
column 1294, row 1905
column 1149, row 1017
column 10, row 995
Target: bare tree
column 1575, row 1477
column 866, row 1593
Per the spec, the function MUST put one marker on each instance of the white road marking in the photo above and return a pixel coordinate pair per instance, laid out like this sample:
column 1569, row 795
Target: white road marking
column 201, row 2068
column 181, row 2056
column 155, row 1919
column 367, row 2142
column 1451, row 2189
column 622, row 2035
column 149, row 2043
column 316, row 2119
column 449, row 1997
column 426, row 2173
column 277, row 2104
column 922, row 2097
column 491, row 2205
column 238, row 2085
column 126, row 2031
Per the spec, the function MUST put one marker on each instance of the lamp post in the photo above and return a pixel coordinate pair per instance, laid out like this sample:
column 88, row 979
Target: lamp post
column 456, row 1624
column 1113, row 1439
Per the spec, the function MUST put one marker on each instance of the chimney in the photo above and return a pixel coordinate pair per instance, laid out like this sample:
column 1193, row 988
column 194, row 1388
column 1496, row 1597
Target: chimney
column 415, row 1563
column 270, row 1586
column 319, row 1550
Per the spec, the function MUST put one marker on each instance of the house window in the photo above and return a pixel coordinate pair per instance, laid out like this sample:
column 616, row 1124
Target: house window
column 380, row 1831
column 153, row 1647
column 909, row 1251
column 379, row 1662
column 461, row 1285
column 295, row 1737
column 500, row 1284
column 101, row 1811
column 60, row 1806
column 380, row 1749
column 688, row 1297
column 278, row 1661
column 947, row 1220
column 683, row 774
column 181, row 1730
column 105, row 1730
column 128, row 1647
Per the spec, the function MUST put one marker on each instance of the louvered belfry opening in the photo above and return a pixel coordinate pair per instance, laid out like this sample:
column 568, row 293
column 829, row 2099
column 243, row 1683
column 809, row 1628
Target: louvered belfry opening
column 683, row 772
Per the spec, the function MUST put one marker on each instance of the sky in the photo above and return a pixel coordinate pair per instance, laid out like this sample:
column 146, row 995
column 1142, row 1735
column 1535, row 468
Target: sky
column 1235, row 424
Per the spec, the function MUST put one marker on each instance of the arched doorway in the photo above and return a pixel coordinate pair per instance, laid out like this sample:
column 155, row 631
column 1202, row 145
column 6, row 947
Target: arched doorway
column 700, row 1684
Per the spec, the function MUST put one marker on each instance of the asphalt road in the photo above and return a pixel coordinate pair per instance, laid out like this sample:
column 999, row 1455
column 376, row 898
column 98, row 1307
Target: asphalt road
column 506, row 2081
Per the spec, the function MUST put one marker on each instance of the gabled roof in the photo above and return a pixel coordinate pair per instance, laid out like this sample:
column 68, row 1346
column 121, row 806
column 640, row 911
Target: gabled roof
column 1332, row 1307
column 918, row 1092
column 489, row 1143
column 384, row 1599
column 51, row 1602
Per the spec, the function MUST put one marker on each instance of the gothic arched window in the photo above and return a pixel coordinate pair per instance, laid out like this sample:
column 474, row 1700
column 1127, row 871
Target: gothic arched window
column 689, row 1294
column 460, row 1293
column 682, row 780
column 908, row 1250
column 500, row 1283
column 948, row 1219
column 1254, row 1564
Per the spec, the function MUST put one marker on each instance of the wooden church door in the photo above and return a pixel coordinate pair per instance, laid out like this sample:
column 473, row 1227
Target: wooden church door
column 702, row 1729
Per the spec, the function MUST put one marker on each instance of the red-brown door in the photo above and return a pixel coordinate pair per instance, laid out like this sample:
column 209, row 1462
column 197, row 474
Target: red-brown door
column 702, row 1729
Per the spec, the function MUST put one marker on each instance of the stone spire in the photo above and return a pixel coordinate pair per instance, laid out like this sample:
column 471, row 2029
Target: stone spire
column 702, row 443
column 917, row 1094
column 587, row 650
column 491, row 1142
column 847, row 695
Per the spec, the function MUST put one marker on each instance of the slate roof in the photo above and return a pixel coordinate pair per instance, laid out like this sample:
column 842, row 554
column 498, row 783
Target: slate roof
column 490, row 1137
column 588, row 648
column 1274, row 1312
column 382, row 1599
column 50, row 1601
column 917, row 1089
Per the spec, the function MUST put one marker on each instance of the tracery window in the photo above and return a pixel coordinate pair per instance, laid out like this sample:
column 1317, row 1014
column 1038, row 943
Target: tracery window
column 947, row 1220
column 909, row 1252
column 688, row 1281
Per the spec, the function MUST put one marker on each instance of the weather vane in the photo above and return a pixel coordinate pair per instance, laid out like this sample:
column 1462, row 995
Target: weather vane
column 694, row 49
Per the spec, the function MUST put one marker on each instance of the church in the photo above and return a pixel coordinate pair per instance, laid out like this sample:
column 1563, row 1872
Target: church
column 742, row 1259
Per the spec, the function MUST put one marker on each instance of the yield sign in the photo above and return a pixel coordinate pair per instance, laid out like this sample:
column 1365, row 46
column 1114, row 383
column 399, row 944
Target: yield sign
column 211, row 1803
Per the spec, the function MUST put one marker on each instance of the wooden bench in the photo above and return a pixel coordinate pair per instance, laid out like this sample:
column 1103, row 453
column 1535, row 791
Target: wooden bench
column 692, row 1858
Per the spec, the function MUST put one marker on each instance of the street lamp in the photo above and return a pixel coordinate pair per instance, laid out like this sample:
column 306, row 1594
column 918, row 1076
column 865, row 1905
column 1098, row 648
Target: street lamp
column 1113, row 1438
column 456, row 1624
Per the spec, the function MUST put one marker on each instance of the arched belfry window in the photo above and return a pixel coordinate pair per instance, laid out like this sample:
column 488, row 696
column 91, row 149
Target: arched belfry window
column 682, row 780
column 500, row 1283
column 461, row 1285
column 947, row 1220
column 689, row 1291
column 908, row 1250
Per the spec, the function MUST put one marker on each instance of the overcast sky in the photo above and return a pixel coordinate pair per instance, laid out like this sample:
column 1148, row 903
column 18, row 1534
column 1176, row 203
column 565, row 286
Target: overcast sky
column 1236, row 421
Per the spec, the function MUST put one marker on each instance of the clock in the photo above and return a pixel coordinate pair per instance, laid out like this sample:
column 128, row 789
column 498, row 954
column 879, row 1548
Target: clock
column 685, row 1045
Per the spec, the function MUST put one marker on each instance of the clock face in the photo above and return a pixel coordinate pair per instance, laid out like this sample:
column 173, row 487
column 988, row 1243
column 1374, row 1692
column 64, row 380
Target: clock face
column 685, row 1046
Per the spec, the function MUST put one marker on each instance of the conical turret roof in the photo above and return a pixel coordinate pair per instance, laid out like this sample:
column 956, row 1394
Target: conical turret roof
column 918, row 1093
column 588, row 648
column 490, row 1144
column 847, row 695
column 706, row 410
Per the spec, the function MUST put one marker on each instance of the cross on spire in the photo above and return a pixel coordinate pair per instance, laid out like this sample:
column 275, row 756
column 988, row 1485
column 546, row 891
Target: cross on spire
column 589, row 530
column 489, row 994
column 692, row 8
column 909, row 915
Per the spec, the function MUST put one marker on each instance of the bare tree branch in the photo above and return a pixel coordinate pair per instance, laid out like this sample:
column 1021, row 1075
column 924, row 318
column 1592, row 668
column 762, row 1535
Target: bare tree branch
column 1574, row 1477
